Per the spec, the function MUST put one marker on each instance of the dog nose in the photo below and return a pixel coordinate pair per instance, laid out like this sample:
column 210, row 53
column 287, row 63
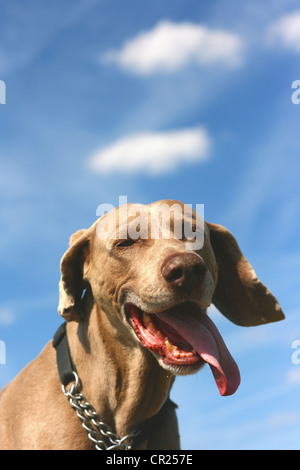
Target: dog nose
column 185, row 270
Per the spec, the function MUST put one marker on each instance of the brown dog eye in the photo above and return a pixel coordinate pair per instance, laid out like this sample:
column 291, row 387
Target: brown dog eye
column 124, row 243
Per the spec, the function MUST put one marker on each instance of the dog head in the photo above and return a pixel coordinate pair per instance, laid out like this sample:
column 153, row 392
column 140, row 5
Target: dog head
column 154, row 270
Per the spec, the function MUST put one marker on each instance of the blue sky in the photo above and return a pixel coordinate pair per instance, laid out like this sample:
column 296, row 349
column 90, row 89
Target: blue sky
column 95, row 93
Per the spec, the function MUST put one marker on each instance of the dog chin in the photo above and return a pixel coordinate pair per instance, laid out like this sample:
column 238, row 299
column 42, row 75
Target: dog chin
column 178, row 369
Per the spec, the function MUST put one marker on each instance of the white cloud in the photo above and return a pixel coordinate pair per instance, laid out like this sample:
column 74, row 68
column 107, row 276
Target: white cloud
column 152, row 152
column 286, row 31
column 171, row 46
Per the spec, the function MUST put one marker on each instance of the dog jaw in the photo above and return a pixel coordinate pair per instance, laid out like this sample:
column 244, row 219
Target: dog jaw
column 172, row 352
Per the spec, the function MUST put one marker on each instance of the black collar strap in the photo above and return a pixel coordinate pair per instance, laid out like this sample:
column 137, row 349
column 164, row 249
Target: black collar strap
column 65, row 364
column 66, row 367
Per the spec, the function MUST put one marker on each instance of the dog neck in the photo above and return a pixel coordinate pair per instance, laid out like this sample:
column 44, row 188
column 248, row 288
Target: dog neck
column 122, row 380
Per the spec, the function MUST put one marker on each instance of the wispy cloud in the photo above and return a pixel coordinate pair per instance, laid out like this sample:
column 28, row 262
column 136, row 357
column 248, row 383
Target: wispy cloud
column 170, row 46
column 152, row 152
column 7, row 317
column 14, row 179
column 293, row 375
column 286, row 31
column 15, row 53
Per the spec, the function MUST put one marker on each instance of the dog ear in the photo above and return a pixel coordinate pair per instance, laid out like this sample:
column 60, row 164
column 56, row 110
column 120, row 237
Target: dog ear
column 72, row 283
column 239, row 294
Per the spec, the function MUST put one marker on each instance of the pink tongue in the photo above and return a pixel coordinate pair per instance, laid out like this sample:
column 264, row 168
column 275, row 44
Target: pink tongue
column 200, row 331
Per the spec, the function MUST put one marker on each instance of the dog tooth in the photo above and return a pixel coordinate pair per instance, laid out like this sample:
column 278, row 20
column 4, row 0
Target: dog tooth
column 170, row 347
column 184, row 354
column 176, row 354
column 159, row 334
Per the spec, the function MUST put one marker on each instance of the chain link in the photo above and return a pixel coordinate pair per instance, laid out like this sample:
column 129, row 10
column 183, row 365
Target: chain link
column 93, row 423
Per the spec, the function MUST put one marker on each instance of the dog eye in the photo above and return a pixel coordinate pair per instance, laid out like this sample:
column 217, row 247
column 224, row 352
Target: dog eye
column 124, row 243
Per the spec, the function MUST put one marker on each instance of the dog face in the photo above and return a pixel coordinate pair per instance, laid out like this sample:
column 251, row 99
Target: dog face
column 155, row 288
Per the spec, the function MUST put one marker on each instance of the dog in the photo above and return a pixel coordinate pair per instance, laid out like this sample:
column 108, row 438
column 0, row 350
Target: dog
column 136, row 316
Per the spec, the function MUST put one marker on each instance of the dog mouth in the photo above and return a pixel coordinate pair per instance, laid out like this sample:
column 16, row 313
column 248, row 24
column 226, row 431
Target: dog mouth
column 184, row 336
column 160, row 337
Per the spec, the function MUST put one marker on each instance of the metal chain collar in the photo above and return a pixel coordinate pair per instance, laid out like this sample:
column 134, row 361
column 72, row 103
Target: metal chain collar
column 93, row 423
